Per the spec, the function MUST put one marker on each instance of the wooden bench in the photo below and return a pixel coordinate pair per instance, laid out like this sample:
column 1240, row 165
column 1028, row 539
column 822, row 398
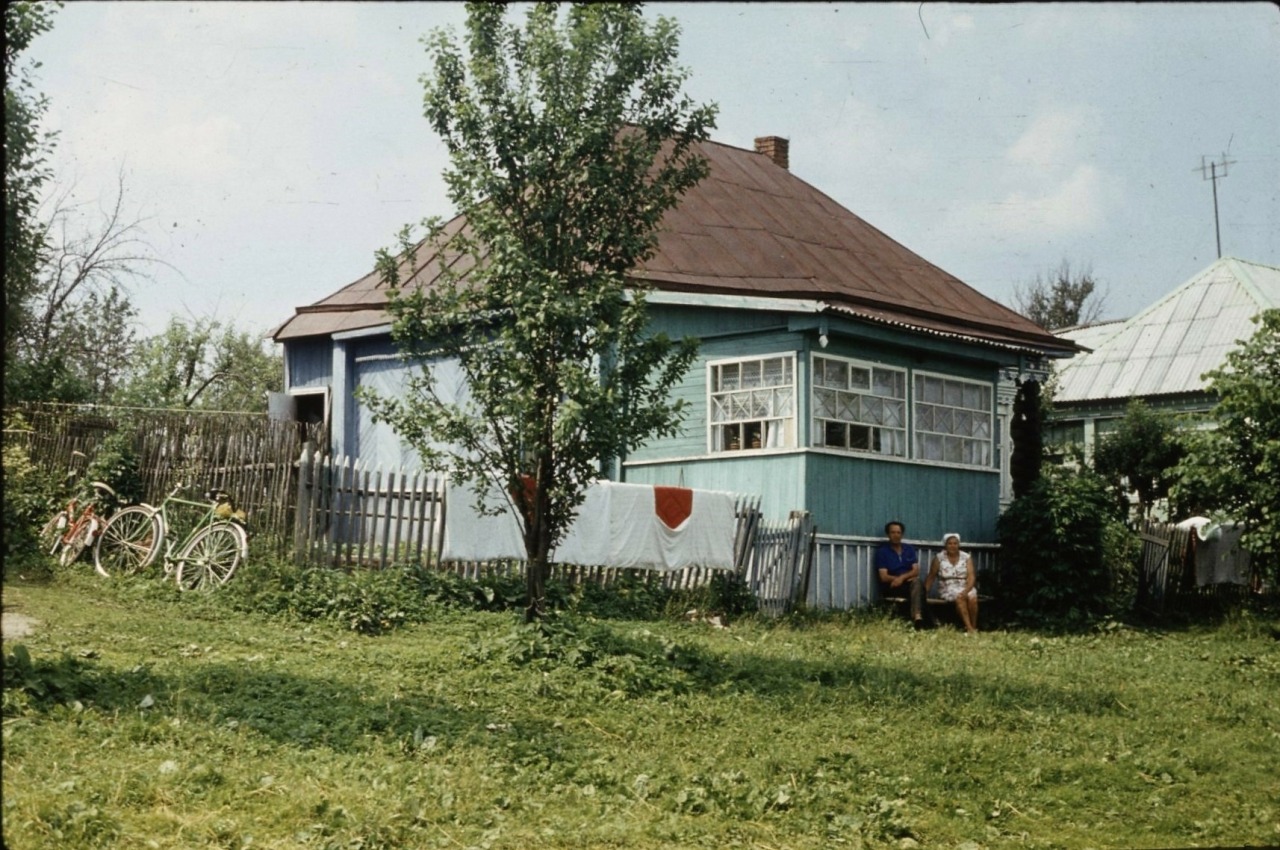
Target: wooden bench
column 948, row 606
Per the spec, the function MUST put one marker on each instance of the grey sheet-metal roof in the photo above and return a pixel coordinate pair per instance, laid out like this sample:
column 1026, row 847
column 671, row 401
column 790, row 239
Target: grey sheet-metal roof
column 753, row 228
column 1167, row 347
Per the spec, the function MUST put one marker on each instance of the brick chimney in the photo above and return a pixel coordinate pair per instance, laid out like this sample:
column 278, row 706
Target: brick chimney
column 776, row 148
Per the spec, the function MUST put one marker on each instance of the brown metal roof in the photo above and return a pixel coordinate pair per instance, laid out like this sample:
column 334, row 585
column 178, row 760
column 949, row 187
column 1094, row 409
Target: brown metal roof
column 754, row 228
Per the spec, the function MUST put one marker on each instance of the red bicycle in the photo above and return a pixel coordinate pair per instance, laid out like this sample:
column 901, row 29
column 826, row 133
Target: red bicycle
column 74, row 528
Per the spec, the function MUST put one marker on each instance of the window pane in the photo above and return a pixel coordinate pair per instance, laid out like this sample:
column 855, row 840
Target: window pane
column 730, row 377
column 942, row 421
column 785, row 401
column 824, row 403
column 888, row 383
column 952, row 393
column 895, row 413
column 951, row 449
column 834, row 433
column 859, row 379
column 832, row 373
column 750, row 374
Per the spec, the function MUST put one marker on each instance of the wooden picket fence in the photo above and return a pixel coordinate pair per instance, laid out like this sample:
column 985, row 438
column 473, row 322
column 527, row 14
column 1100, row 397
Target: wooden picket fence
column 778, row 562
column 351, row 516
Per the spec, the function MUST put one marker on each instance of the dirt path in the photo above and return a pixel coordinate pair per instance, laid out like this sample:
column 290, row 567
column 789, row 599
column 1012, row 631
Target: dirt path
column 15, row 625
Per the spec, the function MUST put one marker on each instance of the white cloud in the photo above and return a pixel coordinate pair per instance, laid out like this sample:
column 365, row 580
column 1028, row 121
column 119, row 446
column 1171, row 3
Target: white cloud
column 1053, row 139
column 1071, row 207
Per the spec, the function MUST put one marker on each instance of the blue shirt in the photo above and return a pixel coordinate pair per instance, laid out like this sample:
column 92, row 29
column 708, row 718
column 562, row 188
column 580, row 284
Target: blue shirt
column 895, row 564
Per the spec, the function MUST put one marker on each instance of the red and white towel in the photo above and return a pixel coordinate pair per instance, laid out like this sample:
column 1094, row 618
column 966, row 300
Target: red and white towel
column 618, row 525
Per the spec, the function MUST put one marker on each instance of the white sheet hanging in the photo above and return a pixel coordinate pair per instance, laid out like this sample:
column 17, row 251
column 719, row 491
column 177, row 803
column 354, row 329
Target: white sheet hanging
column 470, row 536
column 617, row 526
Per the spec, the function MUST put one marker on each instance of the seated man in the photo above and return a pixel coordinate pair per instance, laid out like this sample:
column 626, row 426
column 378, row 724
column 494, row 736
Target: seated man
column 898, row 569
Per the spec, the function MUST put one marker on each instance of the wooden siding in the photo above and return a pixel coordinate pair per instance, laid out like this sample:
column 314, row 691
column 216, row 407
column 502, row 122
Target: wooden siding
column 309, row 364
column 854, row 495
column 692, row 441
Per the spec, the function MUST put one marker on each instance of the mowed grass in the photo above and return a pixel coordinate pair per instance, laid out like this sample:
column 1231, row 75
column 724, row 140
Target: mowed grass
column 148, row 720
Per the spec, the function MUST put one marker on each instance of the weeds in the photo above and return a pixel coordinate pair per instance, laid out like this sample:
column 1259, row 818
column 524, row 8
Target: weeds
column 266, row 717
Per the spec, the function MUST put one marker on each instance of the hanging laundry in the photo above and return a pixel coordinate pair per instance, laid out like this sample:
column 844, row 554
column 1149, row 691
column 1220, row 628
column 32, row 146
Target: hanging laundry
column 618, row 525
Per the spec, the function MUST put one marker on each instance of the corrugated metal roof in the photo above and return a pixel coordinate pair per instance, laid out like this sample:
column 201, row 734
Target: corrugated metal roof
column 754, row 228
column 1167, row 347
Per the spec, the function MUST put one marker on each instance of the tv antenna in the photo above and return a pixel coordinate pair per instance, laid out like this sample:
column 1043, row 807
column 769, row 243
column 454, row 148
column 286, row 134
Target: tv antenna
column 1215, row 171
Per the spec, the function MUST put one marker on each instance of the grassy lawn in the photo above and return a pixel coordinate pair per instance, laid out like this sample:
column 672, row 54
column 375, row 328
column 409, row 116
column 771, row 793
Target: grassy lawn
column 148, row 720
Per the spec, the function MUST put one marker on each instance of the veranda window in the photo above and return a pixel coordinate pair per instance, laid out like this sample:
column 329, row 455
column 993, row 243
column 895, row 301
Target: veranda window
column 859, row 407
column 752, row 403
column 953, row 420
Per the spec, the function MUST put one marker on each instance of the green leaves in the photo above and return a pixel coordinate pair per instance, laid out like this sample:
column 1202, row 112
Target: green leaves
column 1233, row 469
column 568, row 141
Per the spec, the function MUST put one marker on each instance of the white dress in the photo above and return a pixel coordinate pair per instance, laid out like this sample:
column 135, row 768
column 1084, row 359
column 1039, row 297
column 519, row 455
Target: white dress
column 952, row 577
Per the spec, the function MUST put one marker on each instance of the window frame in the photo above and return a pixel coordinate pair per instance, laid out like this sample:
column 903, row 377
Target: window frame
column 875, row 442
column 919, row 417
column 788, row 436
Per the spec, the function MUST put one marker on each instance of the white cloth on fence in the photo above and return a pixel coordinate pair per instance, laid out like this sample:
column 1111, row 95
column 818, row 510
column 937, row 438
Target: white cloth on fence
column 1219, row 558
column 617, row 526
column 471, row 536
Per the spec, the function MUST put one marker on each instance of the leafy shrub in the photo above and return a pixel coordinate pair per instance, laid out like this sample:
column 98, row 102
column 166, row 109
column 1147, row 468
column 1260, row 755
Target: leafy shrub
column 115, row 462
column 30, row 498
column 726, row 595
column 632, row 595
column 1054, row 541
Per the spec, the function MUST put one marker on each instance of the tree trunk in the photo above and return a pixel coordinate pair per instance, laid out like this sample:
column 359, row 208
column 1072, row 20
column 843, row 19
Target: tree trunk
column 536, row 585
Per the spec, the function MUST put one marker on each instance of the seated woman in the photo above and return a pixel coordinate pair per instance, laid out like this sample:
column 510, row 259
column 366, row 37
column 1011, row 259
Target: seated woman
column 957, row 580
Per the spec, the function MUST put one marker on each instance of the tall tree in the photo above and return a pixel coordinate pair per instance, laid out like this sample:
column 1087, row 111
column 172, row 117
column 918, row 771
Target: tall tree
column 1061, row 299
column 1233, row 469
column 204, row 364
column 25, row 171
column 568, row 141
column 77, row 333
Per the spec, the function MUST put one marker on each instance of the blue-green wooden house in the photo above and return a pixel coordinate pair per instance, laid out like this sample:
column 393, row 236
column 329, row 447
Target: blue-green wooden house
column 838, row 373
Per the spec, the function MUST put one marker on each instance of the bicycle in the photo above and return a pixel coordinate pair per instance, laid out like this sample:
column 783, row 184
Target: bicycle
column 207, row 555
column 77, row 525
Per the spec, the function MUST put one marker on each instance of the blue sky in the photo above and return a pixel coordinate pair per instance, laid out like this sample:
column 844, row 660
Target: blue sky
column 272, row 147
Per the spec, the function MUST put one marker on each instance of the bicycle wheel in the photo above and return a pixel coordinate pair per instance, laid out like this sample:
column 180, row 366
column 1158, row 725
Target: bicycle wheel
column 76, row 542
column 51, row 534
column 210, row 557
column 129, row 542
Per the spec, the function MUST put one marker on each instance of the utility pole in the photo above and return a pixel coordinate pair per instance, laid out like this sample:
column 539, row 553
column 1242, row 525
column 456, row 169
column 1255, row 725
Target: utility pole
column 1210, row 172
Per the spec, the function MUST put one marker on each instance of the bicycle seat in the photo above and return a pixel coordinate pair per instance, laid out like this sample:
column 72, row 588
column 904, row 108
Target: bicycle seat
column 103, row 488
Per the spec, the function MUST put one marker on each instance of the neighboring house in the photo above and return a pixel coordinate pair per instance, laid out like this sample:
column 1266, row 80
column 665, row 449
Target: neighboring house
column 838, row 373
column 1161, row 354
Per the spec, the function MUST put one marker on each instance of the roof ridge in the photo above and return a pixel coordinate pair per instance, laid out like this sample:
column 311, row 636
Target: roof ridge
column 1247, row 283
